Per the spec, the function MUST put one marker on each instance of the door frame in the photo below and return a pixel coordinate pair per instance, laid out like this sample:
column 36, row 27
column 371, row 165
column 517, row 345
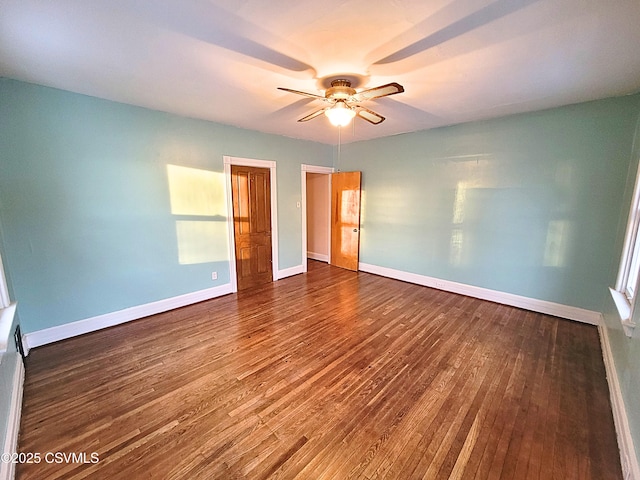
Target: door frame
column 250, row 162
column 304, row 170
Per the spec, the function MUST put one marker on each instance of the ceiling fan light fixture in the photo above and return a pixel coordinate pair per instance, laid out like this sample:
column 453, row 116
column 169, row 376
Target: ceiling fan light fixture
column 344, row 102
column 340, row 115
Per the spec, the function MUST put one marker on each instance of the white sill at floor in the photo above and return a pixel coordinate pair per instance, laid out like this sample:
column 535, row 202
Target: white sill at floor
column 624, row 311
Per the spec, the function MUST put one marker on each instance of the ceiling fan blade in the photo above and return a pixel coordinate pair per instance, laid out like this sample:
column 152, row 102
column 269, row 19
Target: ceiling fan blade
column 377, row 92
column 369, row 115
column 313, row 115
column 312, row 95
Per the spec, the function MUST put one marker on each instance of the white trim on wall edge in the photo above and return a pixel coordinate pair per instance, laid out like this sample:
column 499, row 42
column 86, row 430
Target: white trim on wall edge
column 10, row 444
column 6, row 322
column 533, row 304
column 628, row 459
column 318, row 256
column 80, row 327
column 289, row 272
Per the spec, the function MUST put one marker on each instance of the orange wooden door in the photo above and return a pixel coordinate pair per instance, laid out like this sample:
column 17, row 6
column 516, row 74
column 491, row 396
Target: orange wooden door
column 345, row 219
column 251, row 193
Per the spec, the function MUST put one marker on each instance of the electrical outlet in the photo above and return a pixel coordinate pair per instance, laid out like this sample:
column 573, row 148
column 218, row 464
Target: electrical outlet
column 214, row 275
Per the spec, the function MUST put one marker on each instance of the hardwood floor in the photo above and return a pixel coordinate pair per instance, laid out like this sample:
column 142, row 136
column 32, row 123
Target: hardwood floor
column 328, row 375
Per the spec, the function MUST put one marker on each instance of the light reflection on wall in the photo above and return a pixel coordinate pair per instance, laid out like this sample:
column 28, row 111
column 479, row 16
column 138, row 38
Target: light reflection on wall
column 457, row 237
column 198, row 193
column 455, row 250
column 363, row 209
column 557, row 243
column 458, row 203
column 559, row 232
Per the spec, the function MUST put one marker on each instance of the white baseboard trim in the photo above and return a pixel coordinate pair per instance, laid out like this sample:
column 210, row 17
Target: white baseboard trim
column 535, row 305
column 289, row 272
column 10, row 443
column 318, row 256
column 628, row 459
column 80, row 327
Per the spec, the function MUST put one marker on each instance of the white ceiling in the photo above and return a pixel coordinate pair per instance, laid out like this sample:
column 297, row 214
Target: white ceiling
column 458, row 60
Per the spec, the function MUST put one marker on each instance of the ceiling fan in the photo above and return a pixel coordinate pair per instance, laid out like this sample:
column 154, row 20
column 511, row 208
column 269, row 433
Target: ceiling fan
column 344, row 102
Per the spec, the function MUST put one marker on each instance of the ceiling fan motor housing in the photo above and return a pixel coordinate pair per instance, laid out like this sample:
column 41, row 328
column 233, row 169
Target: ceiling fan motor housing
column 340, row 90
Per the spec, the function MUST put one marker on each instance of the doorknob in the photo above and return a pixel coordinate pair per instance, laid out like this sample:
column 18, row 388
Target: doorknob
column 355, row 230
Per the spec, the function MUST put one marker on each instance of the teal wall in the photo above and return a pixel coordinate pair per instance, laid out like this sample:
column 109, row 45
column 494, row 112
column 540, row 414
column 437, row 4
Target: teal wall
column 625, row 350
column 527, row 204
column 85, row 205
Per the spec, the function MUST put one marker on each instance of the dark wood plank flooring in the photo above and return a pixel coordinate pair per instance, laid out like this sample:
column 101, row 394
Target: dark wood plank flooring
column 328, row 375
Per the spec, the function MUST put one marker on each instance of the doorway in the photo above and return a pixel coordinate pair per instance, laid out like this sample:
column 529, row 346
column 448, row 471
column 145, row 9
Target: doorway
column 318, row 216
column 314, row 248
column 251, row 194
column 253, row 238
column 341, row 205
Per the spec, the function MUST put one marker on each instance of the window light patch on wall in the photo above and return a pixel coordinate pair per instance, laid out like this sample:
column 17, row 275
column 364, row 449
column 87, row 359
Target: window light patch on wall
column 194, row 191
column 198, row 200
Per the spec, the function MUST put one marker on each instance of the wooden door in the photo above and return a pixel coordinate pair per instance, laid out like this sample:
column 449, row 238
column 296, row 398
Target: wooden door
column 345, row 219
column 251, row 193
